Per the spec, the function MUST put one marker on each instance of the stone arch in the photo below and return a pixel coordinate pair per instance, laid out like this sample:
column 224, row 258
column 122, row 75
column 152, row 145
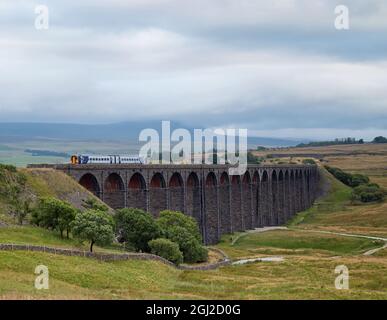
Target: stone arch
column 246, row 202
column 236, row 203
column 114, row 191
column 212, row 229
column 274, row 220
column 137, row 192
column 157, row 194
column 90, row 182
column 211, row 180
column 224, row 203
column 265, row 204
column 176, row 192
column 193, row 199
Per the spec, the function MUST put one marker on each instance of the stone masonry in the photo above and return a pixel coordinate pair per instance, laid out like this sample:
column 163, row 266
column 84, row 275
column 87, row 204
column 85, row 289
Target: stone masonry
column 263, row 196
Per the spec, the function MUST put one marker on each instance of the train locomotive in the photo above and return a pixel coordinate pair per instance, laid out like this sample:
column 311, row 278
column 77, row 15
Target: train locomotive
column 106, row 159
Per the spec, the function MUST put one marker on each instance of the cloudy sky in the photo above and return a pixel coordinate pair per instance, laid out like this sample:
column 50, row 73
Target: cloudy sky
column 278, row 68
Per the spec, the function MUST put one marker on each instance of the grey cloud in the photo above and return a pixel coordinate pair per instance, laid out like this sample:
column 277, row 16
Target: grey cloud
column 263, row 65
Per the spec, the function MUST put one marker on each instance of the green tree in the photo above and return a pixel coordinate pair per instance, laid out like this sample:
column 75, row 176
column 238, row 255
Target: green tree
column 22, row 209
column 183, row 230
column 94, row 226
column 167, row 249
column 136, row 227
column 380, row 139
column 54, row 214
column 169, row 219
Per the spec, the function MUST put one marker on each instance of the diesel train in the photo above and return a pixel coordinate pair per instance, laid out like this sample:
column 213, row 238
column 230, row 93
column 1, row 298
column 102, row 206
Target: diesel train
column 105, row 159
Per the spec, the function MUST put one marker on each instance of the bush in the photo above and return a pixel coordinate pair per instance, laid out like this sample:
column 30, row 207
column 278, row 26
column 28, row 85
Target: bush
column 252, row 159
column 94, row 204
column 95, row 226
column 136, row 227
column 183, row 230
column 8, row 167
column 308, row 161
column 351, row 180
column 358, row 179
column 167, row 249
column 368, row 193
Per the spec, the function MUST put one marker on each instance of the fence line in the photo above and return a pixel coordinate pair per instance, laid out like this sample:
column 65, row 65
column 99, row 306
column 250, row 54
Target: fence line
column 113, row 256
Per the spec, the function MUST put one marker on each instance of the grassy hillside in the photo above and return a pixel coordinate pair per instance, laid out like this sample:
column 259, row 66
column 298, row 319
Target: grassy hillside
column 34, row 183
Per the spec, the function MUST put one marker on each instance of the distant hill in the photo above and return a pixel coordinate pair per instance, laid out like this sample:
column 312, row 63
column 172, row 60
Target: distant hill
column 13, row 132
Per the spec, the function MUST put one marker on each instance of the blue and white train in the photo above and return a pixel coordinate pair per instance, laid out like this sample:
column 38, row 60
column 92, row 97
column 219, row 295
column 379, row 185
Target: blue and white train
column 106, row 159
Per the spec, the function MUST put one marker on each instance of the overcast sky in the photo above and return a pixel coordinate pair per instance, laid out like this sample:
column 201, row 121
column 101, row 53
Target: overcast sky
column 278, row 68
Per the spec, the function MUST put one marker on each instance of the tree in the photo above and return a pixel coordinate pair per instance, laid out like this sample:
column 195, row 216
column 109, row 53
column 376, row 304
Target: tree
column 169, row 219
column 94, row 226
column 167, row 249
column 22, row 209
column 54, row 214
column 380, row 139
column 183, row 230
column 136, row 227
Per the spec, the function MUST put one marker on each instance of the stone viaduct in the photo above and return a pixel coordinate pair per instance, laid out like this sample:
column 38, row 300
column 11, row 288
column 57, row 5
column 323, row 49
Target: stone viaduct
column 263, row 196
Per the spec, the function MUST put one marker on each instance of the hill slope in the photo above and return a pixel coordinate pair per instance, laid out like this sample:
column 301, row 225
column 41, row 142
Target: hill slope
column 16, row 185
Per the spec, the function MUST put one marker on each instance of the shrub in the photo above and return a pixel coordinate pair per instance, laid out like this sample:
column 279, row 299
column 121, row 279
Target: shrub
column 167, row 249
column 368, row 193
column 92, row 203
column 358, row 179
column 351, row 180
column 252, row 159
column 136, row 227
column 94, row 226
column 308, row 161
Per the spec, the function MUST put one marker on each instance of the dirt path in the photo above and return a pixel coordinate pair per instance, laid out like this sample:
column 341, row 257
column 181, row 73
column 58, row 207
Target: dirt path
column 367, row 253
column 256, row 230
